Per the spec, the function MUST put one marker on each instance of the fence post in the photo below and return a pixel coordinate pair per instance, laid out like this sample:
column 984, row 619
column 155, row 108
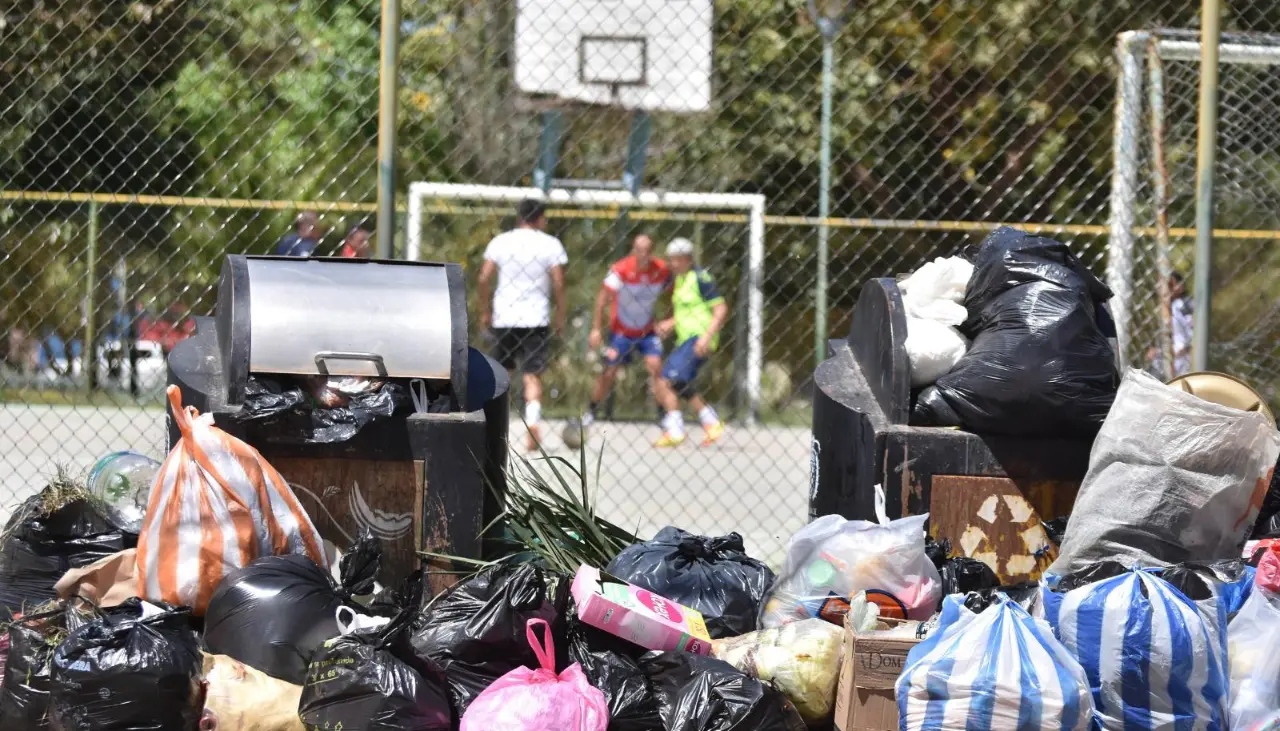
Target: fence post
column 1160, row 188
column 90, row 363
column 1206, row 149
column 388, row 73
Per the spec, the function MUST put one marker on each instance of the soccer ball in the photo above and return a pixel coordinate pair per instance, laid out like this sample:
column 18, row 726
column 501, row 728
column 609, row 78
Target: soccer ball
column 574, row 434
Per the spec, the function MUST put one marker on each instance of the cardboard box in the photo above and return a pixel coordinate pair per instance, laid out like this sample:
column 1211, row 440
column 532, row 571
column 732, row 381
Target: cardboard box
column 869, row 667
column 640, row 616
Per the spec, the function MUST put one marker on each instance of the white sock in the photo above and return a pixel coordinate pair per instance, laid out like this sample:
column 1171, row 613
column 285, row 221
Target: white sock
column 588, row 419
column 708, row 416
column 532, row 412
column 673, row 423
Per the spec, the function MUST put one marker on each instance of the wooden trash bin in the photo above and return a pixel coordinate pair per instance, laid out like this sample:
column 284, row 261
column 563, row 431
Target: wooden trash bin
column 987, row 494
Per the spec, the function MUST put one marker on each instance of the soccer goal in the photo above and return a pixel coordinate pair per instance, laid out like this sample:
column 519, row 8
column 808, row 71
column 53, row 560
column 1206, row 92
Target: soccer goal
column 1153, row 193
column 738, row 241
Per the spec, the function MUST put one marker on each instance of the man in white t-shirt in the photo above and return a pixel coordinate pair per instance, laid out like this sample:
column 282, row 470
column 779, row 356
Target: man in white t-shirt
column 529, row 264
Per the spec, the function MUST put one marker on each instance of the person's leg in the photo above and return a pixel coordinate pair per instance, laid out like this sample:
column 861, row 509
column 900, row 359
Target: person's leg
column 677, row 374
column 616, row 354
column 535, row 347
column 712, row 426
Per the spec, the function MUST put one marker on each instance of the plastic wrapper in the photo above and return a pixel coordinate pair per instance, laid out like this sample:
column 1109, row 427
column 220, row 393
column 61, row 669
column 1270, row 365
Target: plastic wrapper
column 41, row 545
column 1153, row 657
column 319, row 411
column 1172, row 478
column 136, row 666
column 24, row 696
column 538, row 699
column 241, row 698
column 801, row 659
column 474, row 633
column 932, row 298
column 1252, row 639
column 362, row 682
column 610, row 664
column 275, row 612
column 715, row 576
column 977, row 671
column 831, row 559
column 699, row 693
column 1040, row 363
column 243, row 501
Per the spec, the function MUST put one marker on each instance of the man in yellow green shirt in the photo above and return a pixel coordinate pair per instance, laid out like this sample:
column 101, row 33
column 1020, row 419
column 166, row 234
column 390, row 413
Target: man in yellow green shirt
column 698, row 313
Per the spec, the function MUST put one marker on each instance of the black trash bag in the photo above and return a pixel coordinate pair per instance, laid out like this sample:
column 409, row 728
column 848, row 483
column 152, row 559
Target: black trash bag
column 475, row 632
column 715, row 576
column 960, row 575
column 1268, row 522
column 39, row 547
column 1092, row 573
column 697, row 693
column 362, row 682
column 1040, row 364
column 24, row 695
column 273, row 613
column 289, row 413
column 1025, row 595
column 610, row 664
column 1055, row 529
column 126, row 670
column 1225, row 583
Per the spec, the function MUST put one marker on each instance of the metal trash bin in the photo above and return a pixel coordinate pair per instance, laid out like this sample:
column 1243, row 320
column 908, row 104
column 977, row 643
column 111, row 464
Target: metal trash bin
column 987, row 494
column 421, row 481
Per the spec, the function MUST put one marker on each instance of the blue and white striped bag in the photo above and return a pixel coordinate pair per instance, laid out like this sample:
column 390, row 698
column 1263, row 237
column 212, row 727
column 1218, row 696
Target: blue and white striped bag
column 1154, row 658
column 1001, row 670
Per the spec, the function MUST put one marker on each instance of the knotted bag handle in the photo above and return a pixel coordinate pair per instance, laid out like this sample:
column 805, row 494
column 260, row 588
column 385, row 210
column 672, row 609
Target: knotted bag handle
column 544, row 650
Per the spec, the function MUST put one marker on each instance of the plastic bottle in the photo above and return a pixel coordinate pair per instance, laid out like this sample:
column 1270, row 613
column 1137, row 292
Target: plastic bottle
column 122, row 481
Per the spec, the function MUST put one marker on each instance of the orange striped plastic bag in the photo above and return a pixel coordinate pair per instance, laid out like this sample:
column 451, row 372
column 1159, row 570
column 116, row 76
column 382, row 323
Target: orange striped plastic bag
column 216, row 505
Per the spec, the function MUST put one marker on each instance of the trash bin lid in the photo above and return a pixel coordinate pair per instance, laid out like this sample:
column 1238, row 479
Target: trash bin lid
column 1219, row 388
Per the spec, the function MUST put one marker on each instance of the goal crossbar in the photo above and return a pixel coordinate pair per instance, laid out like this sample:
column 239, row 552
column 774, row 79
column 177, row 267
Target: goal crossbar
column 752, row 204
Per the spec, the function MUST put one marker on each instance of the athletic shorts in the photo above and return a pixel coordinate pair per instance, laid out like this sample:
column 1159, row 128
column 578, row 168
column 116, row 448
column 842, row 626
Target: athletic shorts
column 526, row 349
column 622, row 348
column 683, row 364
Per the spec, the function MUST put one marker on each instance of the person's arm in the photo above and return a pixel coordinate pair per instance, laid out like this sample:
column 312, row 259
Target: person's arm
column 484, row 291
column 557, row 293
column 719, row 313
column 603, row 298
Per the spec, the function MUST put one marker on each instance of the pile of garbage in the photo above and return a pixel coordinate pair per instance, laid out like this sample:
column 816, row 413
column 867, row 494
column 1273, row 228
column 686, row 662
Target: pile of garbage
column 217, row 607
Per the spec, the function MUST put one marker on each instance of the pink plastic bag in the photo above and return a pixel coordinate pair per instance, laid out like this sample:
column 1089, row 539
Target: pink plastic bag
column 538, row 700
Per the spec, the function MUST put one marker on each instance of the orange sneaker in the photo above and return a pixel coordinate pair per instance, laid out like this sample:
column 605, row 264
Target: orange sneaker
column 669, row 440
column 713, row 433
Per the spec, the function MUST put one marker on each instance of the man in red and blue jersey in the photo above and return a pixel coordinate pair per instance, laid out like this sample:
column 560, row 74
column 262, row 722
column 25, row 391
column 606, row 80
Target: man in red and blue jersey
column 631, row 290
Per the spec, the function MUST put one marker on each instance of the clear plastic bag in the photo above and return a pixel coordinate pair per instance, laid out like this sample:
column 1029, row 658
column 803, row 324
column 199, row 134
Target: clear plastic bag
column 831, row 559
column 1172, row 478
column 1252, row 638
column 539, row 700
column 801, row 659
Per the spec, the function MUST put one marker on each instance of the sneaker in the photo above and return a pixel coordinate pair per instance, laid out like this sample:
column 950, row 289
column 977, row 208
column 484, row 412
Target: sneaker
column 534, row 441
column 668, row 440
column 713, row 433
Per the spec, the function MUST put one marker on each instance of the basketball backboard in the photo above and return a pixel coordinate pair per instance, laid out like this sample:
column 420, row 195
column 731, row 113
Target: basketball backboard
column 638, row 54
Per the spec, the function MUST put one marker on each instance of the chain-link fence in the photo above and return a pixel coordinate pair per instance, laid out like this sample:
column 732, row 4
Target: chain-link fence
column 140, row 142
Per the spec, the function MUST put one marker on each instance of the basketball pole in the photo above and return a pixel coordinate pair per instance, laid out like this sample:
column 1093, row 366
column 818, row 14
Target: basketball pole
column 387, row 91
column 1206, row 152
column 828, row 26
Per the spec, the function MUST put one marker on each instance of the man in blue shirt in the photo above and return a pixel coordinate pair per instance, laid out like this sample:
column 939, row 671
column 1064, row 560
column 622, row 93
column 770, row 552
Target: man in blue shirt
column 302, row 241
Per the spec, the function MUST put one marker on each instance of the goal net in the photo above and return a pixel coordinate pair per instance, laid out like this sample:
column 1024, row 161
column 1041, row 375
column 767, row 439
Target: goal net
column 1155, row 169
column 454, row 222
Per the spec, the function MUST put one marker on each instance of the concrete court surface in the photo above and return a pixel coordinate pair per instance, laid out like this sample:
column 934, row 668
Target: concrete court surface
column 754, row 482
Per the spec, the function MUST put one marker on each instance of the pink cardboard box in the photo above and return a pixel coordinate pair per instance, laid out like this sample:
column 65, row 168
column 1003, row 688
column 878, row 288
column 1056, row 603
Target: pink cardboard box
column 655, row 623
